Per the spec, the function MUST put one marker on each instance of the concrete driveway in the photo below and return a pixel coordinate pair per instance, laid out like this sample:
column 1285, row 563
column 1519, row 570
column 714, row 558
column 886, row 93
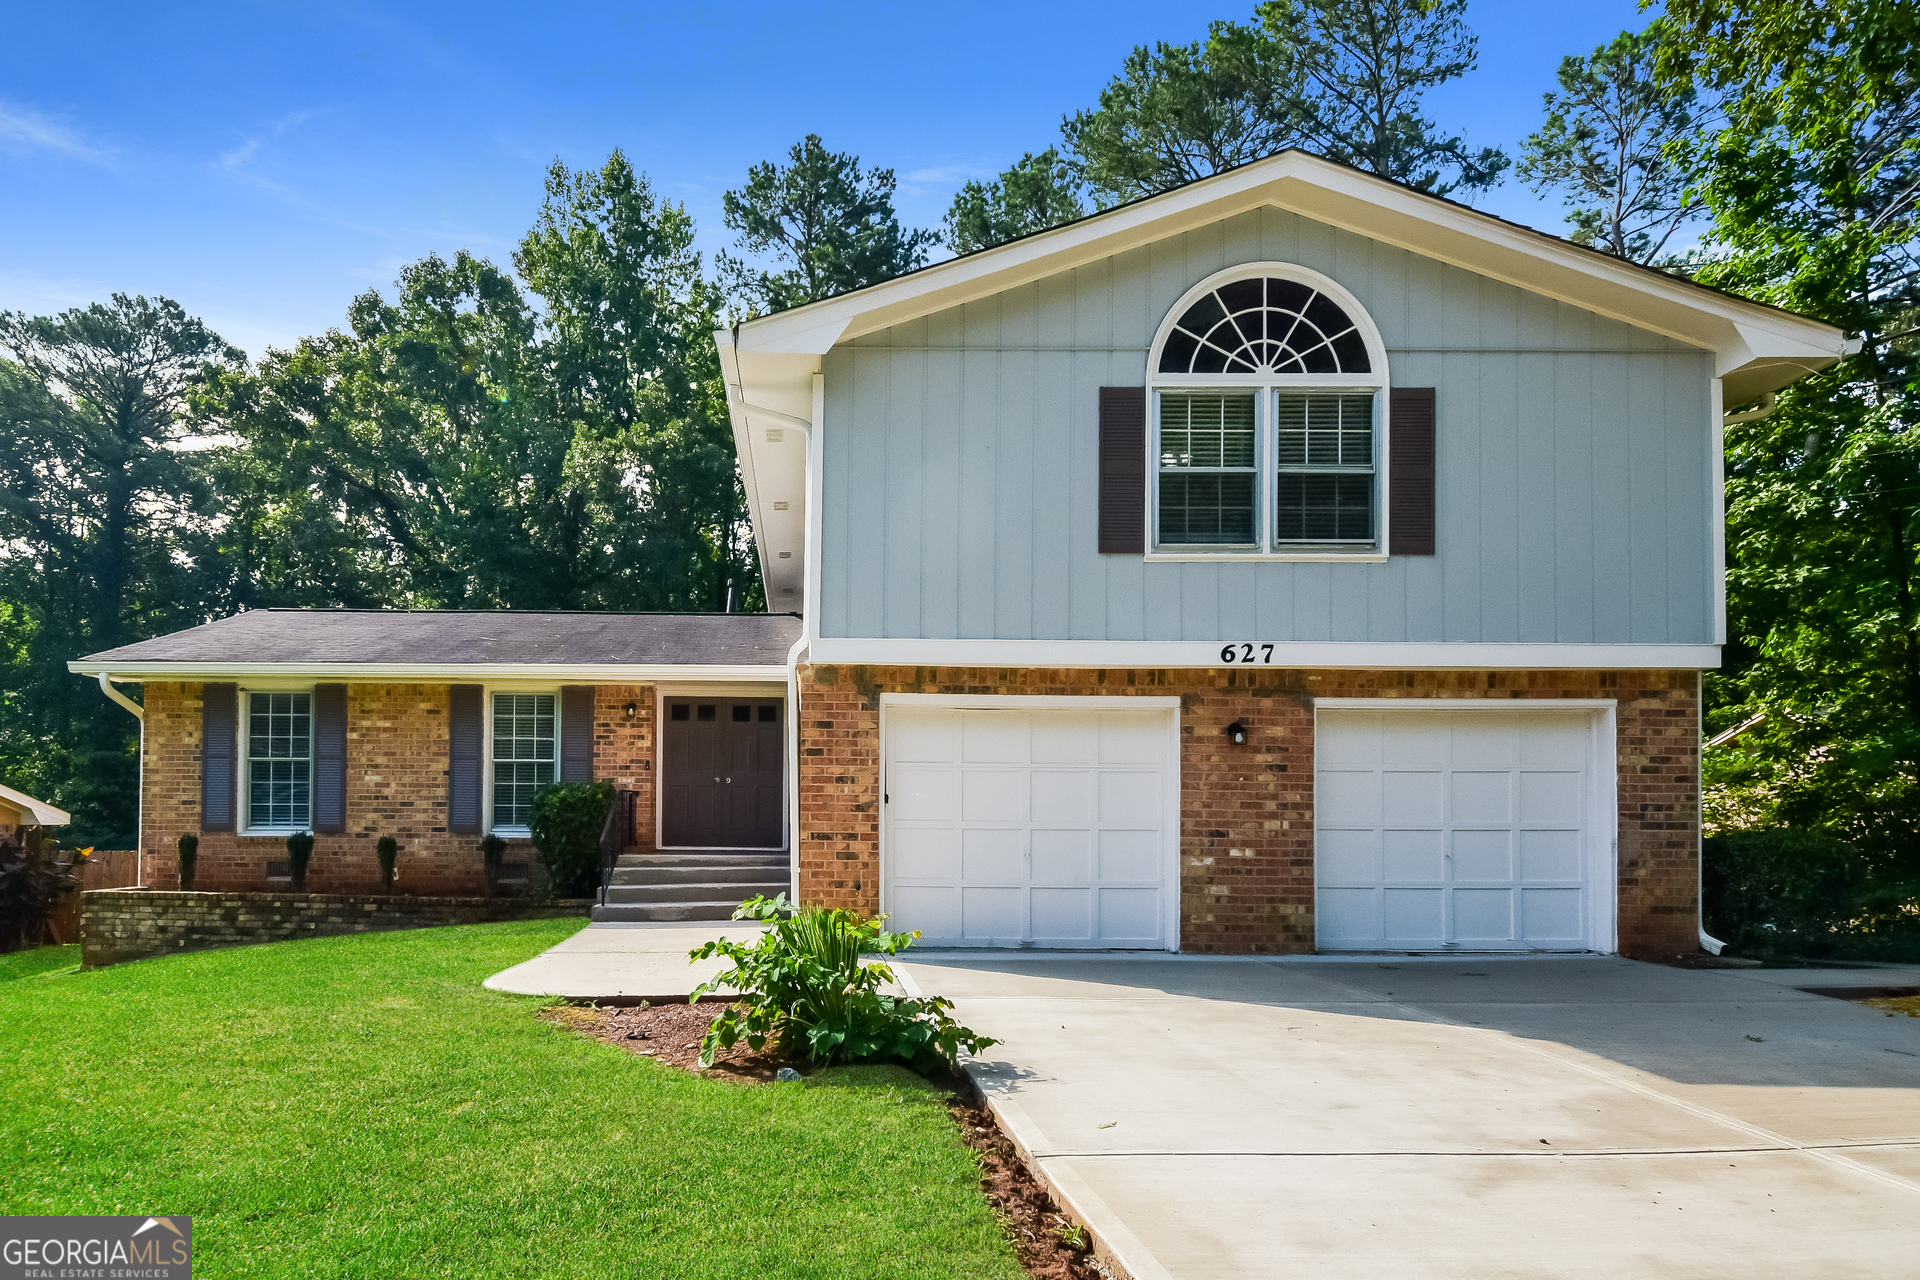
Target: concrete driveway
column 1461, row 1117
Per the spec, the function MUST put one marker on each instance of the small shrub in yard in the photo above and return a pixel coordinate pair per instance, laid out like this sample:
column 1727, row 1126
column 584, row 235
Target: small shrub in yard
column 299, row 851
column 388, row 850
column 31, row 885
column 189, row 858
column 566, row 823
column 802, row 986
column 492, row 847
column 1786, row 892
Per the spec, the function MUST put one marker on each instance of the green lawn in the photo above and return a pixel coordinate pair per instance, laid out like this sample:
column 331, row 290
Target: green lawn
column 361, row 1107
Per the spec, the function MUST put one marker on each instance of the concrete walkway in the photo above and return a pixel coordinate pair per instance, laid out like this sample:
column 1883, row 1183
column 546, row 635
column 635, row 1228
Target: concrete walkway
column 647, row 961
column 1455, row 1118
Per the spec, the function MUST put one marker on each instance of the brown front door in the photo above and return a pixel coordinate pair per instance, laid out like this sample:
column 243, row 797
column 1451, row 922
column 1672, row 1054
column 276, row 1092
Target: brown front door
column 721, row 776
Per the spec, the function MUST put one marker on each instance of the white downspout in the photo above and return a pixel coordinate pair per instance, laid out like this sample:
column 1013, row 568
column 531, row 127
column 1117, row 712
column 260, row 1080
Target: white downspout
column 1708, row 943
column 140, row 774
column 793, row 768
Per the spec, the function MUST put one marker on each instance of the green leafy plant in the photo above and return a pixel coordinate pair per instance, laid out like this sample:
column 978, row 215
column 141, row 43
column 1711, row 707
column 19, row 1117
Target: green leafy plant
column 189, row 847
column 389, row 851
column 1788, row 892
column 31, row 885
column 803, row 987
column 492, row 849
column 299, row 850
column 566, row 823
column 1074, row 1236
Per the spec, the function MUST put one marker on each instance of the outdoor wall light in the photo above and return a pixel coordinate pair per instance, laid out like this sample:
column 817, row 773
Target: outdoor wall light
column 1237, row 733
column 631, row 708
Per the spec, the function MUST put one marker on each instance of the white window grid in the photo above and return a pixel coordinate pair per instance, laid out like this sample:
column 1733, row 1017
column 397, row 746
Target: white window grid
column 1267, row 466
column 278, row 729
column 523, row 754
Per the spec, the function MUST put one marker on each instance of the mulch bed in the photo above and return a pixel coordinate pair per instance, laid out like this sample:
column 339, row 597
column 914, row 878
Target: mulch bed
column 668, row 1033
column 671, row 1033
column 1032, row 1220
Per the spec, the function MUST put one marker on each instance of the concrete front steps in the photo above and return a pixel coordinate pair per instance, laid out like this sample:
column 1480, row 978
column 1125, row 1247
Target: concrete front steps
column 704, row 885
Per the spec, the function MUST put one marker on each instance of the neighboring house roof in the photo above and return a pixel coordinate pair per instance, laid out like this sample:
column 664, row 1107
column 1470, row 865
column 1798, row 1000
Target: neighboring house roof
column 375, row 644
column 41, row 813
column 769, row 363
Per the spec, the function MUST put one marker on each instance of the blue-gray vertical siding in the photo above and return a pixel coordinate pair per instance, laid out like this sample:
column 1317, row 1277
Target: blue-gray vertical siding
column 1574, row 481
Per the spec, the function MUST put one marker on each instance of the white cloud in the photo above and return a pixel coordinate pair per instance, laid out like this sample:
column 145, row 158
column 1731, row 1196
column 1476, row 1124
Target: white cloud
column 23, row 129
column 244, row 152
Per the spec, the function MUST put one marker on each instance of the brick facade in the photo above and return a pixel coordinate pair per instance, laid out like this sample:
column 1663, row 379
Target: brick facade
column 1246, row 840
column 396, row 785
column 623, row 750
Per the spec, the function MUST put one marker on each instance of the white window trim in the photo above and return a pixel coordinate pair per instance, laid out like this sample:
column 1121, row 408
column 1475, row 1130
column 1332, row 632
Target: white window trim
column 1264, row 386
column 243, row 709
column 506, row 832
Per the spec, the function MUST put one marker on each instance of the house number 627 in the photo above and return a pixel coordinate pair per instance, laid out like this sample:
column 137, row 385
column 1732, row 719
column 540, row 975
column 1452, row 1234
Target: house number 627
column 1248, row 653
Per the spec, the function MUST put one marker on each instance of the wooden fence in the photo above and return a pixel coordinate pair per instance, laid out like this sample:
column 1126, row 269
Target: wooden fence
column 103, row 869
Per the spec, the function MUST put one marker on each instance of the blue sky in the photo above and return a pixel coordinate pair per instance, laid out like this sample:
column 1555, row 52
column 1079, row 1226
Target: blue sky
column 262, row 164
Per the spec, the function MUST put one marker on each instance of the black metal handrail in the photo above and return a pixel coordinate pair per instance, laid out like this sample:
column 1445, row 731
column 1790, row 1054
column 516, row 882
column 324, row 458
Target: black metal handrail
column 616, row 833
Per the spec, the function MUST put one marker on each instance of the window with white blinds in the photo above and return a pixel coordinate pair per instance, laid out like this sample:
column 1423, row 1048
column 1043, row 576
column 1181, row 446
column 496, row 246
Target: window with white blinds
column 279, row 761
column 525, row 753
column 1324, row 468
column 1207, row 469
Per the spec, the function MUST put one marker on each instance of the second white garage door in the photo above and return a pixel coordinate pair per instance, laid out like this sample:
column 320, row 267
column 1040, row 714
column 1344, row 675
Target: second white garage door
column 1014, row 827
column 1469, row 830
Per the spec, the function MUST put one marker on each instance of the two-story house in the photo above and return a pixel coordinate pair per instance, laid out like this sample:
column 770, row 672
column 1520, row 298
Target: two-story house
column 1290, row 561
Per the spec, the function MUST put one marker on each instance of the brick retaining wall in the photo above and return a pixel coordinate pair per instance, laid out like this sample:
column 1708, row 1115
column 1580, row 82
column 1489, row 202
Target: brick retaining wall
column 132, row 924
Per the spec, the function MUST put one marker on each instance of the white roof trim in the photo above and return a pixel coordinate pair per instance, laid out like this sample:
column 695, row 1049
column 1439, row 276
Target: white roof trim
column 1743, row 332
column 43, row 814
column 433, row 672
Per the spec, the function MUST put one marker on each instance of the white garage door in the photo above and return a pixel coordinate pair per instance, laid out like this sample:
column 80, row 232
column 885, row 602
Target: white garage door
column 1464, row 830
column 1043, row 828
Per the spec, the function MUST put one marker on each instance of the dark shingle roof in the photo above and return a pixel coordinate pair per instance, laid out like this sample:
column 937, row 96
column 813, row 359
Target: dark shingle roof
column 480, row 639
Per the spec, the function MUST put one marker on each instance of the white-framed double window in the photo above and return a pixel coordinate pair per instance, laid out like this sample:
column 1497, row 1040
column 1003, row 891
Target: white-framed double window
column 523, row 756
column 277, row 729
column 1268, row 420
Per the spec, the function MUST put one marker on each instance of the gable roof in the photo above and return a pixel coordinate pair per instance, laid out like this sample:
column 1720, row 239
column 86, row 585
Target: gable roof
column 769, row 363
column 452, row 644
column 39, row 812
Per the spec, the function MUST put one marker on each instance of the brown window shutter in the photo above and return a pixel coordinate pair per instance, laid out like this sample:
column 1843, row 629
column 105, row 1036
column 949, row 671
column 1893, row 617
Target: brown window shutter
column 465, row 726
column 1123, row 470
column 219, row 755
column 329, row 758
column 1410, row 472
column 576, row 733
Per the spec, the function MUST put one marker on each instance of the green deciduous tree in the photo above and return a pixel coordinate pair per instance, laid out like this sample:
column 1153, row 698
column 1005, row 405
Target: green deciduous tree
column 100, row 477
column 1604, row 148
column 459, row 447
column 1038, row 192
column 1811, row 187
column 627, row 344
column 828, row 225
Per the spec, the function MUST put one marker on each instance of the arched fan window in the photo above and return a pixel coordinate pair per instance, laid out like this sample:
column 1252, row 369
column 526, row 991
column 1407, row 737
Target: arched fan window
column 1261, row 326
